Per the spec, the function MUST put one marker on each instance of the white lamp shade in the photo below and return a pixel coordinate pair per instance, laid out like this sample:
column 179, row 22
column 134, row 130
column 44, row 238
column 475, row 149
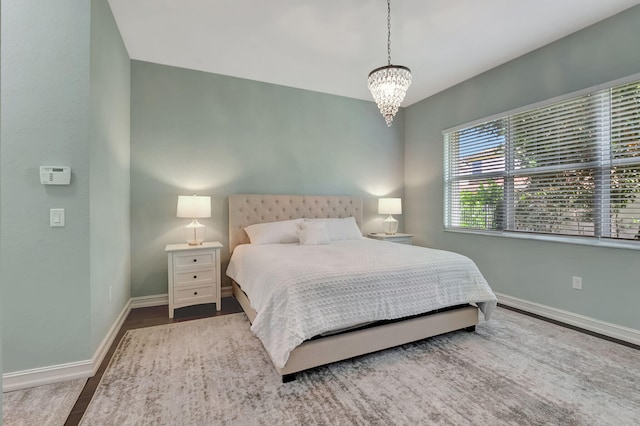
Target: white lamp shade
column 194, row 206
column 389, row 206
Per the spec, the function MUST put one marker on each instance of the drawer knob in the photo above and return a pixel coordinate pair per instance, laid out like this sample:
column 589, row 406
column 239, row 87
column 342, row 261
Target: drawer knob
column 195, row 293
column 195, row 276
column 195, row 260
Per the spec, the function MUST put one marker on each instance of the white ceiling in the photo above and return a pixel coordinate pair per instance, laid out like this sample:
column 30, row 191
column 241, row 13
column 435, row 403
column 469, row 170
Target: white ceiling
column 330, row 45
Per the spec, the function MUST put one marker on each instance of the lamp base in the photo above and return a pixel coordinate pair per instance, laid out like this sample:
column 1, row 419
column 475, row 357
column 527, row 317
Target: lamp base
column 195, row 233
column 390, row 225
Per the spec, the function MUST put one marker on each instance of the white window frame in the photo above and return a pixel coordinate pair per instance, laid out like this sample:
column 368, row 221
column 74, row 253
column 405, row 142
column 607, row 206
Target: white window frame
column 602, row 222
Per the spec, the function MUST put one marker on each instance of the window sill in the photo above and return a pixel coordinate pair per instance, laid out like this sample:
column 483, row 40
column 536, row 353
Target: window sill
column 628, row 245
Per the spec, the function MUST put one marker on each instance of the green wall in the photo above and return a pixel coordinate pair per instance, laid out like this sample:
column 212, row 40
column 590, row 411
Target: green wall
column 536, row 271
column 45, row 104
column 56, row 112
column 1, row 368
column 109, row 183
column 193, row 132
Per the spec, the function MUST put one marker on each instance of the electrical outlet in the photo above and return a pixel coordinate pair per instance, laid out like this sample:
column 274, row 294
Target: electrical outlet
column 576, row 283
column 110, row 293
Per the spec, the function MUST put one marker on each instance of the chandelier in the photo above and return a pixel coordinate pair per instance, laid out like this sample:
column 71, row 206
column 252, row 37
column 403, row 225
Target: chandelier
column 389, row 84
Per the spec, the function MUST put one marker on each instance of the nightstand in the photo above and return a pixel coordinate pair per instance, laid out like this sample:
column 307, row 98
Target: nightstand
column 194, row 275
column 395, row 238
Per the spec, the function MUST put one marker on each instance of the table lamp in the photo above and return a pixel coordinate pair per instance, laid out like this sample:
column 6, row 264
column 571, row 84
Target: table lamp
column 390, row 206
column 194, row 207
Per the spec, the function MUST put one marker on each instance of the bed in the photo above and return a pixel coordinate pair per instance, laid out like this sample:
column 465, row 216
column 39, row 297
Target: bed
column 315, row 304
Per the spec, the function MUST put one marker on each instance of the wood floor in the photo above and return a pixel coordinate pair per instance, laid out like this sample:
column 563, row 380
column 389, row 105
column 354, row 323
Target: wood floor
column 140, row 318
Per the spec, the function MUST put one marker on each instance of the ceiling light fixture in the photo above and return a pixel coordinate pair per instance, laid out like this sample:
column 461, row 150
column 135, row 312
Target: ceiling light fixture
column 389, row 84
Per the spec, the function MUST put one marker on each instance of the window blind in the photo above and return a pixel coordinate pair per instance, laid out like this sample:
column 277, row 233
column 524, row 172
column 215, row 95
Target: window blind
column 567, row 168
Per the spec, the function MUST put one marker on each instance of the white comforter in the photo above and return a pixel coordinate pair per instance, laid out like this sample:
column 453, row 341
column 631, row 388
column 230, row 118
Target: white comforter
column 300, row 291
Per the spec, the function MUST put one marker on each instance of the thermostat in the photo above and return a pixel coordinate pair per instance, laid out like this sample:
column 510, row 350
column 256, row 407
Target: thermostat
column 55, row 175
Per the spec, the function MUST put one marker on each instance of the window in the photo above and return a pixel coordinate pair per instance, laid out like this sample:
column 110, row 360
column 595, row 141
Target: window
column 565, row 168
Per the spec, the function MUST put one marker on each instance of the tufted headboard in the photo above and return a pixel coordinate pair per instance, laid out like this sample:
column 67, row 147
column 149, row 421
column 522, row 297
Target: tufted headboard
column 245, row 210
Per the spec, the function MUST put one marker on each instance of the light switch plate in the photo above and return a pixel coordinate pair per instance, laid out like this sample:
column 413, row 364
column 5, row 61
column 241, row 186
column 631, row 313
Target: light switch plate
column 56, row 218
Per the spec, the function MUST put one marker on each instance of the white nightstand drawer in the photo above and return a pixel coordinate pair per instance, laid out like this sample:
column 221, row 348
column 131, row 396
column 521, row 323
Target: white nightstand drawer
column 194, row 277
column 192, row 294
column 195, row 260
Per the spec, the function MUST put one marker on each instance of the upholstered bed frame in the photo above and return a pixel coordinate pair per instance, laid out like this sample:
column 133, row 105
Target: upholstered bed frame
column 245, row 210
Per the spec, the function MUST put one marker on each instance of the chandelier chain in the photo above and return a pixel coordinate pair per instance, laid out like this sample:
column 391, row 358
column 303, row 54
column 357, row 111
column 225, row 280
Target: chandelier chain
column 389, row 84
column 388, row 32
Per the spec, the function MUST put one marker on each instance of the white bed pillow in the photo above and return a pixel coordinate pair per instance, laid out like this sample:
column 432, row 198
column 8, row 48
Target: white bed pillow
column 313, row 233
column 340, row 229
column 284, row 231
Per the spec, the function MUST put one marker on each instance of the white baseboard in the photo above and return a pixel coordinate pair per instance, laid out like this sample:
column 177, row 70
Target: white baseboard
column 104, row 346
column 86, row 368
column 605, row 328
column 46, row 375
column 148, row 301
column 226, row 291
column 69, row 371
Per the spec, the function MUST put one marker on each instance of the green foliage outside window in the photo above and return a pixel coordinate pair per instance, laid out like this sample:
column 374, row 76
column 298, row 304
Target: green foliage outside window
column 482, row 208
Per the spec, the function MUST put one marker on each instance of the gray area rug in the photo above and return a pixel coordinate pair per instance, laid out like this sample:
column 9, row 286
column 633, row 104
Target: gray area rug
column 513, row 370
column 48, row 405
